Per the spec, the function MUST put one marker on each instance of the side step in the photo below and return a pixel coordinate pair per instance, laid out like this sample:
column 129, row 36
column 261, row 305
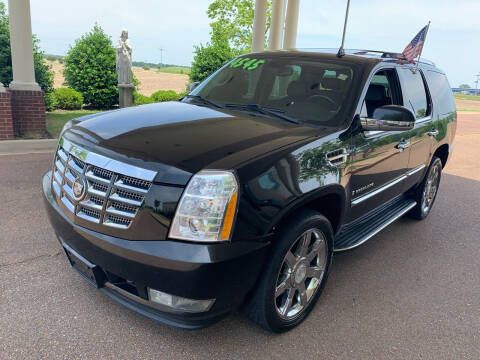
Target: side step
column 360, row 230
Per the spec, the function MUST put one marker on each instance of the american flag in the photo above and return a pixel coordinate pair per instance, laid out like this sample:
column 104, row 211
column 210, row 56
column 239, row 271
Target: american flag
column 414, row 48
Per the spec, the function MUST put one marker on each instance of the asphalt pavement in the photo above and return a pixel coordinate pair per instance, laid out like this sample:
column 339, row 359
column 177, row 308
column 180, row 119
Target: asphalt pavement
column 411, row 292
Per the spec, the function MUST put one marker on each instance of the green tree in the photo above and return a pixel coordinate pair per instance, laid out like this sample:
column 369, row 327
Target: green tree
column 231, row 35
column 464, row 86
column 210, row 57
column 233, row 19
column 90, row 69
column 5, row 57
column 43, row 73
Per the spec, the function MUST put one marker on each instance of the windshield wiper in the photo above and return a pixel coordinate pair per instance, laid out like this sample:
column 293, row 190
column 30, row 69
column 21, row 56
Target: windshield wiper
column 205, row 101
column 265, row 111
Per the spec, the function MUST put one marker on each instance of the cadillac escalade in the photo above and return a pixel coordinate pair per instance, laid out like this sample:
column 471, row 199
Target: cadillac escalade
column 237, row 195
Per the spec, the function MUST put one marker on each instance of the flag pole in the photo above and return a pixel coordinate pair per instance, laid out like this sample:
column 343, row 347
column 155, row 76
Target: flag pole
column 341, row 51
column 424, row 38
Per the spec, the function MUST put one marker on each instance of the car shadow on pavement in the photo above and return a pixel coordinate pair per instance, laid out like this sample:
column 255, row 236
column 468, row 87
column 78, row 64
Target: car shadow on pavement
column 410, row 292
column 383, row 291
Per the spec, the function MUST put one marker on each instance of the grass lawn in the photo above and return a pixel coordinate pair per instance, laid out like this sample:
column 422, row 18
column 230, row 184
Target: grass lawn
column 466, row 97
column 175, row 70
column 56, row 119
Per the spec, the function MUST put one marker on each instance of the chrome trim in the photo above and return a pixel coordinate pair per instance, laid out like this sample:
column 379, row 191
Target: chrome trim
column 386, row 186
column 342, row 155
column 106, row 163
column 402, row 145
column 421, row 120
column 369, row 124
column 103, row 181
column 372, row 133
column 417, row 169
column 380, row 228
column 378, row 191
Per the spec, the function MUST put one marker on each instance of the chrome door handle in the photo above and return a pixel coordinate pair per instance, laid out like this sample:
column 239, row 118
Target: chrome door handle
column 402, row 145
column 433, row 132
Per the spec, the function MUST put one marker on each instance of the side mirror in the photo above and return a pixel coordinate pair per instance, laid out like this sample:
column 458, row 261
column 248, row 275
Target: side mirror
column 389, row 118
column 193, row 85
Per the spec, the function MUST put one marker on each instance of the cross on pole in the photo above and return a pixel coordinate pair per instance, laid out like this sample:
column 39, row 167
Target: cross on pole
column 161, row 56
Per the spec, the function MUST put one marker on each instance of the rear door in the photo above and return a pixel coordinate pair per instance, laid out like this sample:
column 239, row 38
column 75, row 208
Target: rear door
column 417, row 98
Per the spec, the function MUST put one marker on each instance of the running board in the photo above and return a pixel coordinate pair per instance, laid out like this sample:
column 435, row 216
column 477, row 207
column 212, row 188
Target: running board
column 361, row 230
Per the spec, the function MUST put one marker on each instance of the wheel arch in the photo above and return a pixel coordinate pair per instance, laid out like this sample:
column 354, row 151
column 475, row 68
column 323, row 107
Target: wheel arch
column 442, row 152
column 329, row 201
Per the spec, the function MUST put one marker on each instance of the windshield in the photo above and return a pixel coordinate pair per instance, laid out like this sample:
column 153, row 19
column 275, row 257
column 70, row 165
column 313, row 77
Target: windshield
column 305, row 90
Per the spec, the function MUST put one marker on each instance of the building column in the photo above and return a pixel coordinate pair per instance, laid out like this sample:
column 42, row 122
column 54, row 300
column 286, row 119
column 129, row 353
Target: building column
column 291, row 24
column 27, row 99
column 22, row 47
column 259, row 26
column 276, row 25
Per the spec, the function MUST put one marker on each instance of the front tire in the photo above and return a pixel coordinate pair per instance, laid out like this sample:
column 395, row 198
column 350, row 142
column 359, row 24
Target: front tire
column 426, row 193
column 295, row 274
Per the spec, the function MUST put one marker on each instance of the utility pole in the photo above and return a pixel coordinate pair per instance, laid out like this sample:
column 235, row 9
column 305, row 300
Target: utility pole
column 161, row 57
column 476, row 84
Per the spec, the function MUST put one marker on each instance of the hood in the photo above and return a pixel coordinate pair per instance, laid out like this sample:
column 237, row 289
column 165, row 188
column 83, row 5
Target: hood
column 179, row 139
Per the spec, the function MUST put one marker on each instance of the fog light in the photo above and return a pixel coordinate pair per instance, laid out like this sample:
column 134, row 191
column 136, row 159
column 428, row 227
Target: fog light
column 179, row 303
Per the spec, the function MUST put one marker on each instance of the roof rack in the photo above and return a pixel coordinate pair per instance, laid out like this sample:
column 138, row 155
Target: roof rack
column 388, row 55
column 373, row 53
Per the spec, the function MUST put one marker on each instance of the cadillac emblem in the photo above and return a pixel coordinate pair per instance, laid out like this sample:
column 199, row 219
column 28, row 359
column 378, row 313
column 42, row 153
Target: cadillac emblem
column 79, row 188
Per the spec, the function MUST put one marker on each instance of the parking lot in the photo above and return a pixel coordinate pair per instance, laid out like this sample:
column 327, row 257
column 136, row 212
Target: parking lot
column 411, row 292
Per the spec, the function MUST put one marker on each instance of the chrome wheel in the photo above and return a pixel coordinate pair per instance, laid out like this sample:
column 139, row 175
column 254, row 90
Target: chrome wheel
column 430, row 189
column 301, row 273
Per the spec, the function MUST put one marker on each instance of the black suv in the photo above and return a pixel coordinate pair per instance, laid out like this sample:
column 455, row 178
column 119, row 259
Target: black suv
column 237, row 195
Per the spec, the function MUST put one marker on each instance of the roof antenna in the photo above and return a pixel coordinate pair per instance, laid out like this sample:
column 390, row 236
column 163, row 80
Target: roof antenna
column 341, row 52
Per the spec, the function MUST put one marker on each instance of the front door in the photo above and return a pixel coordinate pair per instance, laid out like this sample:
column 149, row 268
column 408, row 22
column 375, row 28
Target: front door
column 380, row 158
column 417, row 98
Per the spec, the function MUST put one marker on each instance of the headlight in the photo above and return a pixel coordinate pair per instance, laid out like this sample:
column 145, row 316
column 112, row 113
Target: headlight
column 206, row 211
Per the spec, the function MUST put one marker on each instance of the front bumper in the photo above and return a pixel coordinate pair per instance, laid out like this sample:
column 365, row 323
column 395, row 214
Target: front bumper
column 224, row 272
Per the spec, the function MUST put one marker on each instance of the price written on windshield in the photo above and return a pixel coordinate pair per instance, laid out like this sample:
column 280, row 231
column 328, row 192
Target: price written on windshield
column 247, row 63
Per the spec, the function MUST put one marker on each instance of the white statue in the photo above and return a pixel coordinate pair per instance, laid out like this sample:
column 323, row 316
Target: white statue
column 124, row 59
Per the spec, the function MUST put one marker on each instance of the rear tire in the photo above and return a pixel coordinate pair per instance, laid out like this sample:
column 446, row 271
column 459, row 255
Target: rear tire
column 426, row 193
column 294, row 275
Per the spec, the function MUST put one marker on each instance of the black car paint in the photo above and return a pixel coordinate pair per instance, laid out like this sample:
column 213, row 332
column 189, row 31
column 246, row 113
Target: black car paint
column 281, row 167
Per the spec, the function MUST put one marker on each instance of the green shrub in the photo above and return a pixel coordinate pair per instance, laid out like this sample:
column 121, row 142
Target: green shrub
column 68, row 99
column 165, row 95
column 139, row 99
column 50, row 101
column 51, row 57
column 146, row 67
column 90, row 68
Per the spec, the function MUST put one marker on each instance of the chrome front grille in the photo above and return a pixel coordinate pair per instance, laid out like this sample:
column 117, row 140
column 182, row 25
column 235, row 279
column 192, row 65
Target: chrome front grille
column 115, row 191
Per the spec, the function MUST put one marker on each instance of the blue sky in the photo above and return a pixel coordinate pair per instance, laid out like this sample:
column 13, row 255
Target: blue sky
column 453, row 41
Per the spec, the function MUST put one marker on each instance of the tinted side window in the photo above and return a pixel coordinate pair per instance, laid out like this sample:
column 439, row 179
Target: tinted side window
column 414, row 92
column 382, row 90
column 441, row 92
